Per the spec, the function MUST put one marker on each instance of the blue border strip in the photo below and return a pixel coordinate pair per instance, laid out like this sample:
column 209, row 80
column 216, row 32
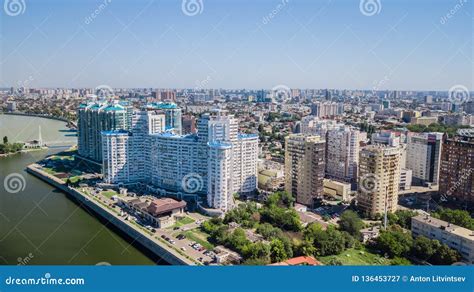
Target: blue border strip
column 239, row 278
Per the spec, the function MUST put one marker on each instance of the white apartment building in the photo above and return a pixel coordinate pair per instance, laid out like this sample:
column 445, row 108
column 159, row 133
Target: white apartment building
column 342, row 153
column 424, row 156
column 125, row 155
column 216, row 162
column 314, row 126
column 220, row 167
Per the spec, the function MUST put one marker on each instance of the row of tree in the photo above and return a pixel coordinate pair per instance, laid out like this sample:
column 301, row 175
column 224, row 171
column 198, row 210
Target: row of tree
column 7, row 147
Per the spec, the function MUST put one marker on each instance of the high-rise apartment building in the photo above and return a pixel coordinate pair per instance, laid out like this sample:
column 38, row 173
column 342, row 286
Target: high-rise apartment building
column 342, row 154
column 189, row 124
column 93, row 118
column 457, row 167
column 125, row 153
column 172, row 113
column 314, row 126
column 304, row 167
column 326, row 109
column 423, row 156
column 379, row 178
column 215, row 163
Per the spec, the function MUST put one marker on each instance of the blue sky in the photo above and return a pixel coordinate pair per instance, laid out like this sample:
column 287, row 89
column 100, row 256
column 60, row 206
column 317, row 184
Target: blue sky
column 305, row 44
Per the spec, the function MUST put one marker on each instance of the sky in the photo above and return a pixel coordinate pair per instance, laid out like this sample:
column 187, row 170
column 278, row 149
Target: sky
column 343, row 44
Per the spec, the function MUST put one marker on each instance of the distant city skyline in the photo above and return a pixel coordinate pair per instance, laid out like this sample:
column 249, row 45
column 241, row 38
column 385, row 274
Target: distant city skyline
column 401, row 45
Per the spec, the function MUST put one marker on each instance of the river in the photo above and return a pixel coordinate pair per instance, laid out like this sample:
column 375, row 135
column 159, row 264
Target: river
column 41, row 226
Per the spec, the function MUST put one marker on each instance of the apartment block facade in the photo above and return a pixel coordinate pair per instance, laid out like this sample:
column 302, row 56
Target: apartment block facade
column 424, row 156
column 304, row 167
column 215, row 163
column 379, row 178
column 457, row 167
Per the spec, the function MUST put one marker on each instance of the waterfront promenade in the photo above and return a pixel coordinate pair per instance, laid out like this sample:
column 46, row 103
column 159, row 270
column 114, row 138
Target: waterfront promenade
column 156, row 245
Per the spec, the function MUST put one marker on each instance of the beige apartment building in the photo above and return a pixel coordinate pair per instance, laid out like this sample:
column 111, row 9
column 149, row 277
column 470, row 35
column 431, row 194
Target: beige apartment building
column 304, row 167
column 379, row 178
column 456, row 237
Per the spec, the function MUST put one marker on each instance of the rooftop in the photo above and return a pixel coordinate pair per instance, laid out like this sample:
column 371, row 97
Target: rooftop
column 299, row 261
column 451, row 228
column 468, row 133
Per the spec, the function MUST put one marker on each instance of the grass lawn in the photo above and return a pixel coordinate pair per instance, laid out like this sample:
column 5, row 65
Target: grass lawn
column 109, row 194
column 199, row 237
column 49, row 170
column 183, row 221
column 354, row 257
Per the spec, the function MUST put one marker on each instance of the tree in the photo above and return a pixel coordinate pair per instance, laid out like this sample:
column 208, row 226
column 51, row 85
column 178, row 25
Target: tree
column 268, row 231
column 404, row 218
column 334, row 262
column 457, row 217
column 423, row 248
column 305, row 248
column 445, row 255
column 327, row 242
column 394, row 242
column 351, row 222
column 277, row 251
column 5, row 140
column 258, row 251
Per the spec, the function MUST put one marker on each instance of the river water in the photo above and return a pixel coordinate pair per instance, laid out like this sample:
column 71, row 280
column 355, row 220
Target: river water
column 41, row 226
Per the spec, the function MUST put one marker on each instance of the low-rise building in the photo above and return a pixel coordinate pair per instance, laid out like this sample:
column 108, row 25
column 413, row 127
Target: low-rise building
column 456, row 237
column 370, row 233
column 337, row 190
column 160, row 212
